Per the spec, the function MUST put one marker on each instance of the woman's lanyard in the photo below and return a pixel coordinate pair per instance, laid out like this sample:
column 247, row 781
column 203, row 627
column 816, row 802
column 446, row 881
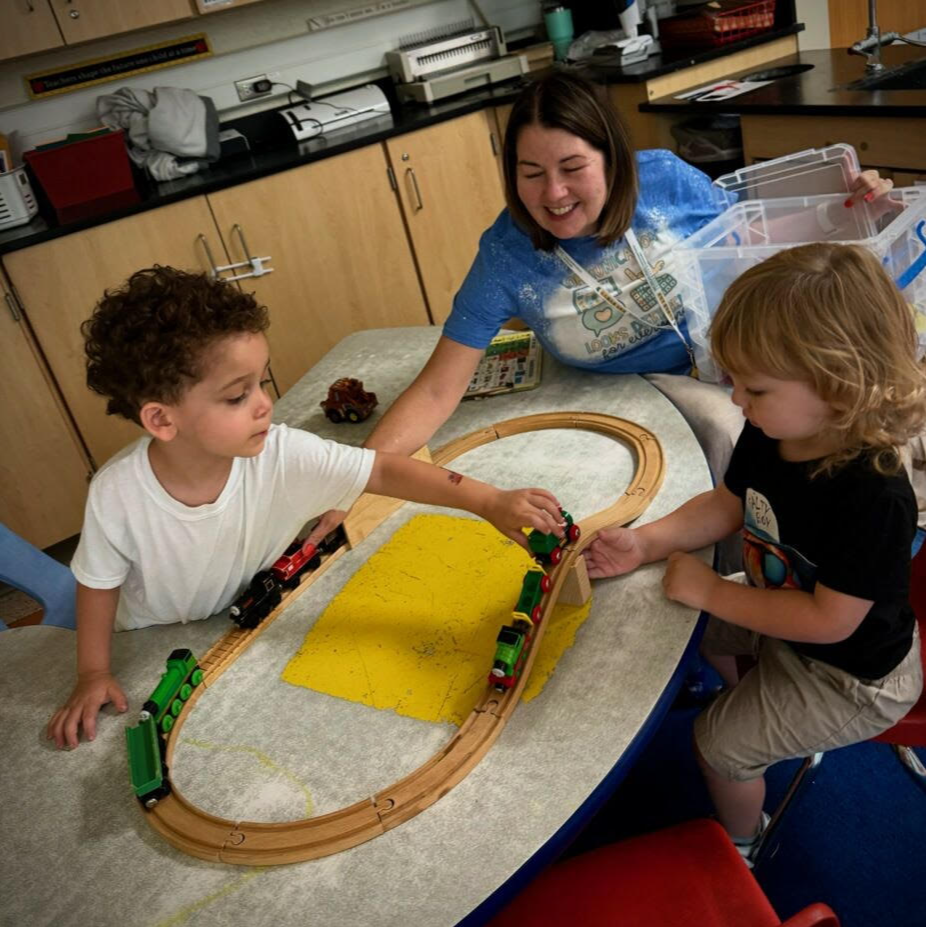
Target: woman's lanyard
column 649, row 281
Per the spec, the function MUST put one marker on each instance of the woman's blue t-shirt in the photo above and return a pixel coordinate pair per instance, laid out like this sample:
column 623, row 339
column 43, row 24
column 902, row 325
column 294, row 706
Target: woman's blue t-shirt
column 509, row 277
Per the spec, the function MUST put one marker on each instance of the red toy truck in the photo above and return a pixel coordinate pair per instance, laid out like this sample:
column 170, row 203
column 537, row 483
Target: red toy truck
column 347, row 401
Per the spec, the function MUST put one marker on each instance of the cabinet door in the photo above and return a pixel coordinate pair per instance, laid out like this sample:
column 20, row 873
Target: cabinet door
column 83, row 20
column 27, row 26
column 59, row 282
column 340, row 257
column 43, row 471
column 448, row 177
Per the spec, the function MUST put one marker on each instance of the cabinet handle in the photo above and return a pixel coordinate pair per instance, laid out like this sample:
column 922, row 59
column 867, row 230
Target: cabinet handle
column 494, row 144
column 14, row 311
column 213, row 269
column 392, row 179
column 410, row 172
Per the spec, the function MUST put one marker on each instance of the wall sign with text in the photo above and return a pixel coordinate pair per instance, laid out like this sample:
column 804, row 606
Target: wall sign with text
column 116, row 67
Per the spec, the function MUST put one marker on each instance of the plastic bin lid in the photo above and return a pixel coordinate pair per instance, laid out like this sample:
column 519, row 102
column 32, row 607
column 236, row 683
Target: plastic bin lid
column 808, row 173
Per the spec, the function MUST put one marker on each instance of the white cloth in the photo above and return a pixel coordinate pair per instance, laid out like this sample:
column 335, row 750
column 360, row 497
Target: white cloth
column 174, row 562
column 168, row 130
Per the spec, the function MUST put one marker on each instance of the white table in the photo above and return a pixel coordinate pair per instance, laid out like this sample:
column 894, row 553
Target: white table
column 77, row 850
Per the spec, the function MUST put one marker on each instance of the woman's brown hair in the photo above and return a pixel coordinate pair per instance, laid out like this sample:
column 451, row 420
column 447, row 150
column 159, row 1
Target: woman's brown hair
column 568, row 101
column 829, row 315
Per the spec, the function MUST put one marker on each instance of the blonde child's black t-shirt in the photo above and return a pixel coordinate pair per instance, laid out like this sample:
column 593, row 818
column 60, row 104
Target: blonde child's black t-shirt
column 851, row 530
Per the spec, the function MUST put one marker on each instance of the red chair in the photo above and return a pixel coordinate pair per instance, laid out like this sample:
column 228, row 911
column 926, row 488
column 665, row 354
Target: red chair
column 907, row 733
column 689, row 875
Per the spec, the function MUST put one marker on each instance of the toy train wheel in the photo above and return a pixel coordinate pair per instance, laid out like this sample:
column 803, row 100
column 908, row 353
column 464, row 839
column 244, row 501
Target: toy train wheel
column 167, row 722
column 555, row 556
column 545, row 584
column 196, row 677
column 573, row 533
column 333, row 416
column 186, row 690
column 536, row 613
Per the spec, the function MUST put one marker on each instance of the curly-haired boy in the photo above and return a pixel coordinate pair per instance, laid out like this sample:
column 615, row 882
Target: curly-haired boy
column 178, row 522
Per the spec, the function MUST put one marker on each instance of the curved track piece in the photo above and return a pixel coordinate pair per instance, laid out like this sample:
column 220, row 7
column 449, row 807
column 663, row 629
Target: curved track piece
column 247, row 843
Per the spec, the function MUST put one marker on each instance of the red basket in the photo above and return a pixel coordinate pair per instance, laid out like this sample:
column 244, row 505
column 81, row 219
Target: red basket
column 86, row 178
column 724, row 22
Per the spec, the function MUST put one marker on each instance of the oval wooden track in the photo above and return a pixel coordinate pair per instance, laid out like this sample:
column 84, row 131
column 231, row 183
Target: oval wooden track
column 248, row 843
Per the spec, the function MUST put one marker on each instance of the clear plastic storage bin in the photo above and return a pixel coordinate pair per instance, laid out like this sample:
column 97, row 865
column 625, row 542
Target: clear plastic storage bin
column 756, row 227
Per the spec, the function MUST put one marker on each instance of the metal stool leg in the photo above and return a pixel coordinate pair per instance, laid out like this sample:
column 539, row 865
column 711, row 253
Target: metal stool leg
column 804, row 776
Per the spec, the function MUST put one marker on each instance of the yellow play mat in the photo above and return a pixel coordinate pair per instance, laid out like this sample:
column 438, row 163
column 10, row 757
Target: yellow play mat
column 414, row 629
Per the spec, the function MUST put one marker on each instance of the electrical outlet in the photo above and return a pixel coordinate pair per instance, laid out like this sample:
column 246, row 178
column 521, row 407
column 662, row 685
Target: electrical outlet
column 247, row 87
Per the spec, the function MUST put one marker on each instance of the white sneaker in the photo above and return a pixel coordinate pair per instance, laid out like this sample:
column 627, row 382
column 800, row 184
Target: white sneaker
column 746, row 845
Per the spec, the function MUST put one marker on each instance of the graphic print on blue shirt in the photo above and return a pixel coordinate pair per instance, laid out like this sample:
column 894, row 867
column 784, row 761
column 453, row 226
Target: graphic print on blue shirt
column 572, row 321
column 767, row 563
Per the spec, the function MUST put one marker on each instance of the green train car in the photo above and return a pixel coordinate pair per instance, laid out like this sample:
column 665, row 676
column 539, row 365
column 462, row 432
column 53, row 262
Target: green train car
column 509, row 660
column 533, row 588
column 146, row 741
column 548, row 548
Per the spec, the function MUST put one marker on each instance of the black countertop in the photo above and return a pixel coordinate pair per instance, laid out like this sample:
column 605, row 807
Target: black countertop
column 273, row 150
column 814, row 92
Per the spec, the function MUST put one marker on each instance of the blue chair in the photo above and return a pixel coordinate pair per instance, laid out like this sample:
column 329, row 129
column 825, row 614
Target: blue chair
column 48, row 582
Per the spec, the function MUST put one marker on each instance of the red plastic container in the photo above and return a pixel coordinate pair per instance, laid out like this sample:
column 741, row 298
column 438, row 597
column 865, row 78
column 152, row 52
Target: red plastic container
column 731, row 21
column 87, row 178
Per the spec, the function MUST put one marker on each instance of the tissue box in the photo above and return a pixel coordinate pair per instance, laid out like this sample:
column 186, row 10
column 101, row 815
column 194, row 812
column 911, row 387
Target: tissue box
column 85, row 178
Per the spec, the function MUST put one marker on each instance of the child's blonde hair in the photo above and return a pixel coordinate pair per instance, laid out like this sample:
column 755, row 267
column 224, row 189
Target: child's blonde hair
column 830, row 316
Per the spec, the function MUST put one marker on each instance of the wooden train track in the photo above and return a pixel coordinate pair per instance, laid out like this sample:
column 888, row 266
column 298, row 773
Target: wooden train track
column 212, row 838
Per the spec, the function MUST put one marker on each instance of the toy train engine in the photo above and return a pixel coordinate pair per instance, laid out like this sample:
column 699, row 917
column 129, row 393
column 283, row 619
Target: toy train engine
column 146, row 741
column 533, row 589
column 548, row 548
column 265, row 591
column 257, row 601
column 512, row 646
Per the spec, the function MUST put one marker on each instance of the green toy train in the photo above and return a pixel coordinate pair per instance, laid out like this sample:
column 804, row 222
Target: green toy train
column 146, row 741
column 513, row 643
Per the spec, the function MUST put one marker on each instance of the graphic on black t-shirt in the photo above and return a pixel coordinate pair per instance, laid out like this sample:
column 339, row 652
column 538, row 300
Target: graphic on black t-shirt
column 769, row 564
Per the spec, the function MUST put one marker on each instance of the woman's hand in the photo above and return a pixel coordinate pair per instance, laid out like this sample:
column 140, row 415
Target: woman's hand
column 868, row 186
column 92, row 692
column 323, row 527
column 615, row 551
column 688, row 580
column 511, row 510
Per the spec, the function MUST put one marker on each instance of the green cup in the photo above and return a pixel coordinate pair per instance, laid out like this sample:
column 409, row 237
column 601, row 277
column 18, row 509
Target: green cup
column 559, row 25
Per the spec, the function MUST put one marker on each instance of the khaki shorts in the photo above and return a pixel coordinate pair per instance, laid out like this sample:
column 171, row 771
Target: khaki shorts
column 790, row 706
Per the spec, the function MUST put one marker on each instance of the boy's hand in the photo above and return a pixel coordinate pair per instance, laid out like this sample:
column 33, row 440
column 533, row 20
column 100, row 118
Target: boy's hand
column 688, row 580
column 91, row 693
column 511, row 510
column 615, row 551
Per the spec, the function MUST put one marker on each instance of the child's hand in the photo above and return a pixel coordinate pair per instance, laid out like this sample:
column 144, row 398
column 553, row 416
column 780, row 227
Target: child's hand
column 615, row 551
column 511, row 510
column 90, row 694
column 688, row 580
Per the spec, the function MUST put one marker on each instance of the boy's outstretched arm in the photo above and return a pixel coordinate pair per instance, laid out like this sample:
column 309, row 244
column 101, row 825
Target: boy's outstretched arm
column 96, row 615
column 507, row 510
column 705, row 519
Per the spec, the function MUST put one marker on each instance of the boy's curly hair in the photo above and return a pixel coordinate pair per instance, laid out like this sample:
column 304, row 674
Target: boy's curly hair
column 829, row 315
column 147, row 339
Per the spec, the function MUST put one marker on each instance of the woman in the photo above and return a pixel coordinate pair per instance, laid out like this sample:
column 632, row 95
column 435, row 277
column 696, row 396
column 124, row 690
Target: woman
column 587, row 221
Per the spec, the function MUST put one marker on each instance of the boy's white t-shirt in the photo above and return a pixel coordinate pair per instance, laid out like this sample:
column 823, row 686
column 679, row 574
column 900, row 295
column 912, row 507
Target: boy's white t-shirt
column 180, row 563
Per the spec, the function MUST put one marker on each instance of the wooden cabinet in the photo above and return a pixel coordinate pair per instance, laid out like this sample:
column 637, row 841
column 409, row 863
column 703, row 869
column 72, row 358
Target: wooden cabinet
column 26, row 27
column 449, row 184
column 60, row 281
column 83, row 20
column 341, row 260
column 43, row 470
